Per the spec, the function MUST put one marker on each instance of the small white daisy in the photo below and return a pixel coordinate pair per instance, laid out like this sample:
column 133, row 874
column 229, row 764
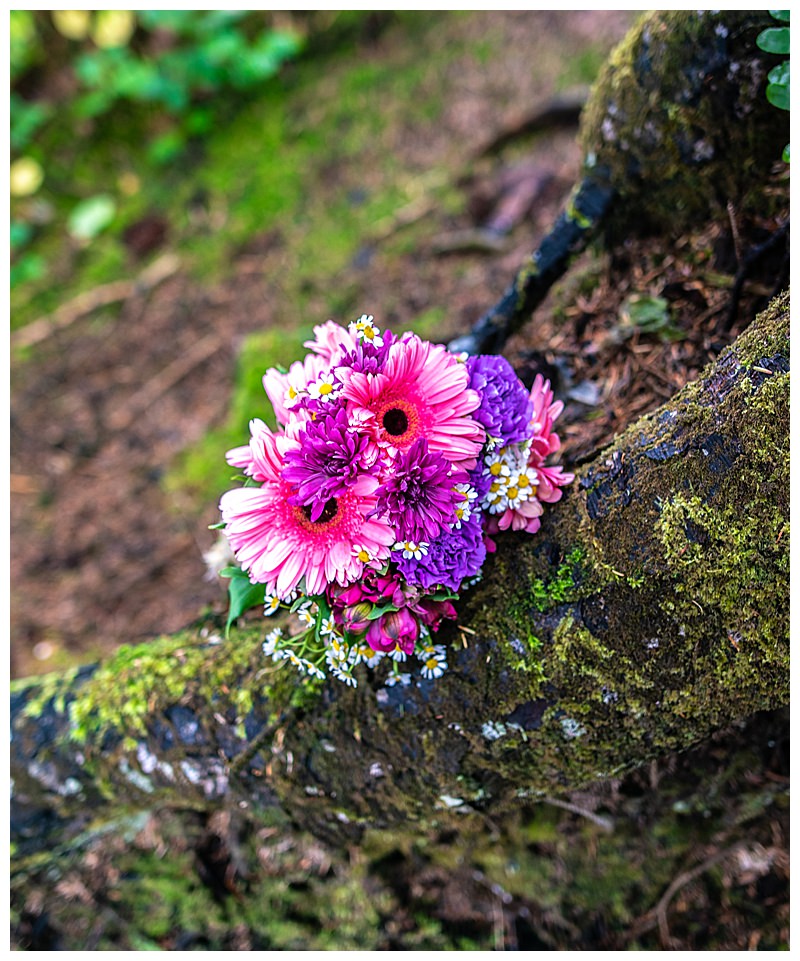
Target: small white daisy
column 398, row 678
column 326, row 388
column 314, row 671
column 272, row 604
column 305, row 617
column 433, row 667
column 327, row 626
column 366, row 556
column 293, row 396
column 464, row 507
column 365, row 329
column 363, row 653
column 268, row 647
column 337, row 650
column 343, row 674
column 410, row 549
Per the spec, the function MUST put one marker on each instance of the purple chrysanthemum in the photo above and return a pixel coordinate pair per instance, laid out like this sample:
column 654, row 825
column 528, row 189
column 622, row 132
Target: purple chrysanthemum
column 330, row 459
column 506, row 409
column 419, row 497
column 365, row 357
column 453, row 556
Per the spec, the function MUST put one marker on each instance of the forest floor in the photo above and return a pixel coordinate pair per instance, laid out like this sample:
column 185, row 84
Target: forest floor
column 113, row 482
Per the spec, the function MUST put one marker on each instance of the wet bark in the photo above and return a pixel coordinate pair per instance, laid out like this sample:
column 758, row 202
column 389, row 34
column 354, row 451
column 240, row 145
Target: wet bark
column 650, row 611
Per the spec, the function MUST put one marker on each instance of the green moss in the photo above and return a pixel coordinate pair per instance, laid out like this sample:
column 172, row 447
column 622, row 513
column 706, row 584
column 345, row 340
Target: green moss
column 127, row 690
column 562, row 585
column 49, row 687
column 649, row 122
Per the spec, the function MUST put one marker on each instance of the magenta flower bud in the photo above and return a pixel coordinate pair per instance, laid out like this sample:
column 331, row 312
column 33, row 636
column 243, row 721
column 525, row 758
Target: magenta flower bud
column 349, row 595
column 433, row 612
column 392, row 630
column 356, row 617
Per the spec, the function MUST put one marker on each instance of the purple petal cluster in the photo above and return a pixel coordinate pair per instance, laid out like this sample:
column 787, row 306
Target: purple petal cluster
column 418, row 497
column 453, row 556
column 329, row 460
column 506, row 408
column 365, row 357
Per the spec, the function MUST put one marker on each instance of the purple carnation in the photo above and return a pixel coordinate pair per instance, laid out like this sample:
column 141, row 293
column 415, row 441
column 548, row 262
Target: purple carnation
column 453, row 556
column 419, row 497
column 505, row 410
column 331, row 457
column 480, row 480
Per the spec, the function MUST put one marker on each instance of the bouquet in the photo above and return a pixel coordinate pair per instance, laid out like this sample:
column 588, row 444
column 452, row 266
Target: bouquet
column 375, row 502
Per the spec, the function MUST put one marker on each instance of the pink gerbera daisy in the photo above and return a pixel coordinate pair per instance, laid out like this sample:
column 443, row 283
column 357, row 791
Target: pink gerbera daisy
column 286, row 391
column 421, row 392
column 279, row 545
column 330, row 341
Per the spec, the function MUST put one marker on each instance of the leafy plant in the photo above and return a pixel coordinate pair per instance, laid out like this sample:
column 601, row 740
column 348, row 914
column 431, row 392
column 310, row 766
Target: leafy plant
column 162, row 74
column 648, row 315
column 776, row 40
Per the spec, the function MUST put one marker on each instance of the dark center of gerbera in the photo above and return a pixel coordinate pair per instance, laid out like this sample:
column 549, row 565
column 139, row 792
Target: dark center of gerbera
column 395, row 422
column 329, row 511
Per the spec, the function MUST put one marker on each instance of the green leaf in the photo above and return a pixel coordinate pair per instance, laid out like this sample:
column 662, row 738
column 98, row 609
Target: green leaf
column 647, row 313
column 780, row 14
column 90, row 217
column 166, row 147
column 30, row 266
column 323, row 613
column 93, row 104
column 377, row 612
column 774, row 40
column 786, row 154
column 21, row 233
column 779, row 74
column 242, row 596
column 778, row 95
column 444, row 595
column 26, row 119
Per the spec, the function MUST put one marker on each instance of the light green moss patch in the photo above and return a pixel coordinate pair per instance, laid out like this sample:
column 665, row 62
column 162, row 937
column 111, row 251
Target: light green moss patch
column 137, row 682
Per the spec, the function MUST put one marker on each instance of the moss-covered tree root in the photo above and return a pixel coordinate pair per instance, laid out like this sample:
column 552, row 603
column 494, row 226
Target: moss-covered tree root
column 650, row 610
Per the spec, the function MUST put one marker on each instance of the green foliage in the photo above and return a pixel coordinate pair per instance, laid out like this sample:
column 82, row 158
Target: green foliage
column 648, row 315
column 91, row 216
column 164, row 78
column 242, row 594
column 776, row 40
column 172, row 60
